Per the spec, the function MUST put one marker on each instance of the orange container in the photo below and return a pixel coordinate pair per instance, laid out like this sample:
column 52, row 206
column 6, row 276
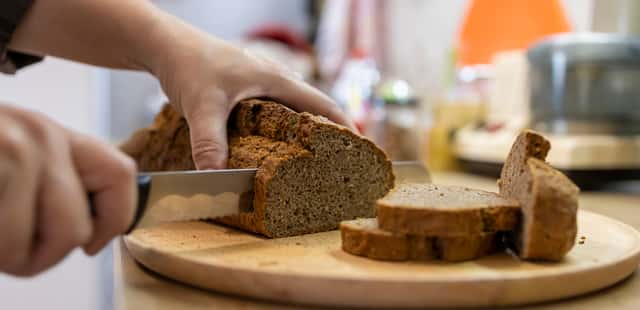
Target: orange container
column 492, row 26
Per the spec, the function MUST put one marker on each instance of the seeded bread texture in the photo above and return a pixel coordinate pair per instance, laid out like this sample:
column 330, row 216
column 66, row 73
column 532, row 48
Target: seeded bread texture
column 162, row 146
column 438, row 210
column 548, row 198
column 312, row 173
column 363, row 237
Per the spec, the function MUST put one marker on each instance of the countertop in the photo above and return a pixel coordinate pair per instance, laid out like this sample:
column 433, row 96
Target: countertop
column 138, row 289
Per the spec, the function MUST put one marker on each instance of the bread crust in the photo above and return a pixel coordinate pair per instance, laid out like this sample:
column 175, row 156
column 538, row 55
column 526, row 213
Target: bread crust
column 548, row 198
column 550, row 226
column 362, row 237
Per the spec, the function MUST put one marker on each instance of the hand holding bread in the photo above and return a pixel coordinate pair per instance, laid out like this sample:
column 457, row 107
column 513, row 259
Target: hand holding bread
column 203, row 76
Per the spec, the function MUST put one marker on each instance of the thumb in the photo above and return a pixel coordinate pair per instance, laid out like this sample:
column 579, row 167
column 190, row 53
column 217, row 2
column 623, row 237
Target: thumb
column 208, row 130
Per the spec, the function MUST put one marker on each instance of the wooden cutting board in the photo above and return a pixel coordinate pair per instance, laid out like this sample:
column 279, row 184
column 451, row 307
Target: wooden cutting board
column 312, row 269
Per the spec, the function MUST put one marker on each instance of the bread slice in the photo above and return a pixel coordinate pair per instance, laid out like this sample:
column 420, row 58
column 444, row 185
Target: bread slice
column 548, row 198
column 438, row 210
column 312, row 173
column 362, row 237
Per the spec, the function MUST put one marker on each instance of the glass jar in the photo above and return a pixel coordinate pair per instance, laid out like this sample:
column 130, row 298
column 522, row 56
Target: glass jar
column 463, row 103
column 394, row 120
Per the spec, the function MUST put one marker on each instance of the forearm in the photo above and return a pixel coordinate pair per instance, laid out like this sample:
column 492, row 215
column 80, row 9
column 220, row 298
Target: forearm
column 125, row 34
column 203, row 77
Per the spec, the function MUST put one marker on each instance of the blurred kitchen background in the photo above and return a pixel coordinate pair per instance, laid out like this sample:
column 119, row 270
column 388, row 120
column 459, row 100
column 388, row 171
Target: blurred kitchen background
column 448, row 82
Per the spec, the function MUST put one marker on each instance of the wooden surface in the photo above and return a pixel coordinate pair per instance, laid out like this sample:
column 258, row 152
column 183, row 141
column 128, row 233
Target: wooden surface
column 137, row 289
column 312, row 269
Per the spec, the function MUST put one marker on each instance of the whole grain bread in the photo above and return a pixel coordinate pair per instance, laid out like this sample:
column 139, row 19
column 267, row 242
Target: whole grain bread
column 439, row 210
column 363, row 237
column 312, row 173
column 548, row 198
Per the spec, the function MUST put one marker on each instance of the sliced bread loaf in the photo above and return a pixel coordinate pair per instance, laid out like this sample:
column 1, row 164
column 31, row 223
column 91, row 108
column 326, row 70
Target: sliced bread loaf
column 312, row 173
column 548, row 198
column 362, row 237
column 438, row 210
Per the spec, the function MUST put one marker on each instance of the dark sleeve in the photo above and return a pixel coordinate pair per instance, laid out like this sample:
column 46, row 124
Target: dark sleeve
column 11, row 12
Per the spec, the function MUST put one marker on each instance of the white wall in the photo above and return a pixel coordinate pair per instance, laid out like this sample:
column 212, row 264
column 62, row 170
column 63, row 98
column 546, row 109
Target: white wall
column 73, row 94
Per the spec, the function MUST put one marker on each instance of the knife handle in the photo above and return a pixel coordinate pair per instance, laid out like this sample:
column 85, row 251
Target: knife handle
column 144, row 188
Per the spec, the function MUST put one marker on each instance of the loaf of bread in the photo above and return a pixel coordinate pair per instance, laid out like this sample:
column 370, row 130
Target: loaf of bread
column 363, row 237
column 312, row 173
column 548, row 198
column 438, row 210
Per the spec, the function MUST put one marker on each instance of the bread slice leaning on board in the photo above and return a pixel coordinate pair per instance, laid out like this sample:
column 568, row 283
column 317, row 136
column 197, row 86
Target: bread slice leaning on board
column 312, row 173
column 548, row 200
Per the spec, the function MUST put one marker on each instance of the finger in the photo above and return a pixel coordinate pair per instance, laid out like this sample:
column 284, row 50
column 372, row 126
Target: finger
column 110, row 176
column 63, row 217
column 208, row 130
column 18, row 184
column 303, row 97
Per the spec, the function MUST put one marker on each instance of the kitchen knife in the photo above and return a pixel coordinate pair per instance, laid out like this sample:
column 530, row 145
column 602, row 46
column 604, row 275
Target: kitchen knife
column 194, row 195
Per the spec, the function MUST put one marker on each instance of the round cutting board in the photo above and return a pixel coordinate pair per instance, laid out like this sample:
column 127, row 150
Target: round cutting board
column 312, row 269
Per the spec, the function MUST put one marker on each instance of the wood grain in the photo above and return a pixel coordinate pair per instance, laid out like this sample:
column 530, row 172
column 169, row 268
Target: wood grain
column 312, row 269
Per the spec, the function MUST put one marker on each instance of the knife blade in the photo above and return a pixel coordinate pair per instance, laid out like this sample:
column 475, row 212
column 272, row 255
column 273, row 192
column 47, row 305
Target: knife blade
column 410, row 172
column 208, row 194
column 193, row 195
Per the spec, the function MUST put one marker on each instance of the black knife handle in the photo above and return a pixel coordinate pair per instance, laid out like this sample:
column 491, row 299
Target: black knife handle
column 144, row 188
